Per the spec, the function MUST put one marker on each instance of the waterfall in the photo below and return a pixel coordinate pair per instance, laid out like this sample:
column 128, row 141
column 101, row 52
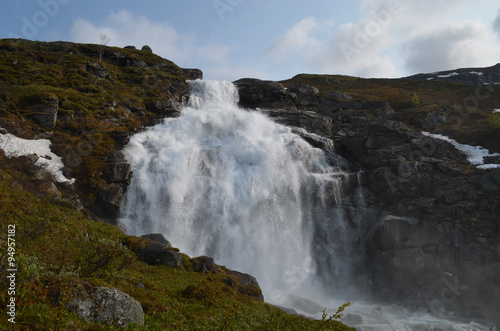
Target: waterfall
column 234, row 185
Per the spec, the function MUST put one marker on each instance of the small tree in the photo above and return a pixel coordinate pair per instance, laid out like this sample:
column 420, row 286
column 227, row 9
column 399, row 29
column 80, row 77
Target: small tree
column 103, row 41
column 415, row 100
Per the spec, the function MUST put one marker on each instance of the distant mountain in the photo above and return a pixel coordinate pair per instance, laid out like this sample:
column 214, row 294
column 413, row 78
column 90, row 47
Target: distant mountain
column 469, row 76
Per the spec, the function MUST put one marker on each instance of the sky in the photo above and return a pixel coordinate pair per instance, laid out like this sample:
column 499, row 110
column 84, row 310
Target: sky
column 276, row 39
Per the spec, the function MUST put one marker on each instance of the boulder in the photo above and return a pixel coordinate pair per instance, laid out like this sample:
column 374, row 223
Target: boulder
column 107, row 305
column 154, row 252
column 129, row 47
column 305, row 305
column 203, row 264
column 158, row 237
column 146, row 48
column 243, row 283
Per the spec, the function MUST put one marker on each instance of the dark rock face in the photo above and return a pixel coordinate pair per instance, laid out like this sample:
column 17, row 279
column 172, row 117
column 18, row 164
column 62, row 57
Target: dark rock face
column 259, row 93
column 169, row 108
column 46, row 111
column 107, row 305
column 193, row 73
column 429, row 225
column 97, row 69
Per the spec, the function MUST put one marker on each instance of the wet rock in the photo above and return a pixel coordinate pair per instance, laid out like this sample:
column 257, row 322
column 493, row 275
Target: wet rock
column 305, row 305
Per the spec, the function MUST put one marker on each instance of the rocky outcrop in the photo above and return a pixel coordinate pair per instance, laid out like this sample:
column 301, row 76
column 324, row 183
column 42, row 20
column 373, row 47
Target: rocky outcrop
column 146, row 48
column 154, row 252
column 45, row 111
column 107, row 305
column 258, row 93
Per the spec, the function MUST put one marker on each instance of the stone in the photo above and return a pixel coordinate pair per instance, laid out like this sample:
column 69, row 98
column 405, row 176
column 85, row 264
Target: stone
column 203, row 264
column 107, row 305
column 117, row 172
column 45, row 111
column 193, row 73
column 170, row 108
column 305, row 305
column 130, row 47
column 146, row 48
column 260, row 93
column 97, row 69
column 154, row 252
column 244, row 284
column 352, row 320
column 158, row 237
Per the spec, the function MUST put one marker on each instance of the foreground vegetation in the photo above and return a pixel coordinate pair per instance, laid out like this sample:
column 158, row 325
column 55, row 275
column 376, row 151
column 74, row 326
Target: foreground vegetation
column 59, row 249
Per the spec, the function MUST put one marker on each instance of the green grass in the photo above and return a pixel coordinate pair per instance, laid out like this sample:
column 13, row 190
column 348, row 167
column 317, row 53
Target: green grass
column 59, row 249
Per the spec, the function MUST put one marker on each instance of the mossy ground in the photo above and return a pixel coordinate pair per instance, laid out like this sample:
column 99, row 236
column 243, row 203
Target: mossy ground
column 59, row 249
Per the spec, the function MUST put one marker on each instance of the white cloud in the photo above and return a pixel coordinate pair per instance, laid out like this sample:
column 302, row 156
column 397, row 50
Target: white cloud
column 496, row 23
column 124, row 28
column 299, row 37
column 395, row 38
column 462, row 45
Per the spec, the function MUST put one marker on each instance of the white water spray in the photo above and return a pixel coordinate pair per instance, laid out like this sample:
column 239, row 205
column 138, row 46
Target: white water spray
column 232, row 184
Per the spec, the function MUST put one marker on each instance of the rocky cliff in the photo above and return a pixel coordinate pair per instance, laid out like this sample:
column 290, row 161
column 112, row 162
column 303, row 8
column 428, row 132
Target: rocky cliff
column 427, row 231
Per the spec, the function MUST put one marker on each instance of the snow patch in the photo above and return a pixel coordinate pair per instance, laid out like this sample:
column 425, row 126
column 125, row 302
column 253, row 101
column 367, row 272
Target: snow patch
column 449, row 75
column 496, row 111
column 14, row 147
column 477, row 73
column 475, row 154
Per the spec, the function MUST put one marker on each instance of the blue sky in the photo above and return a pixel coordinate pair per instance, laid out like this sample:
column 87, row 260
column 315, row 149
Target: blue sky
column 276, row 39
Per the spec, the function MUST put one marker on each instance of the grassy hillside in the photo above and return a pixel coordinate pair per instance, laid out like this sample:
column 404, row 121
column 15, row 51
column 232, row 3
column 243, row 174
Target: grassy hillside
column 59, row 249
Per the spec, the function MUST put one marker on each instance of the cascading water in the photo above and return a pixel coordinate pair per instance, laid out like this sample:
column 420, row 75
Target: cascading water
column 232, row 184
